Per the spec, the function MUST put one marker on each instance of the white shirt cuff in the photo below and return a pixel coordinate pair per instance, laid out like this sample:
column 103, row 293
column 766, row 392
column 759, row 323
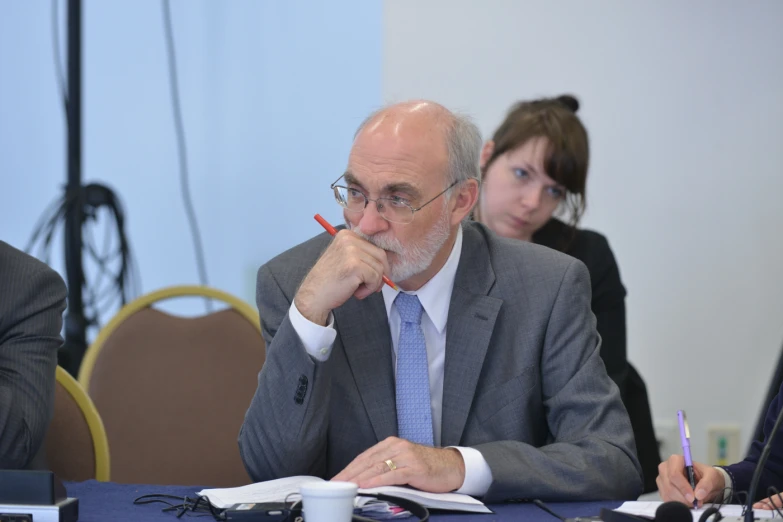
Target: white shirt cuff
column 478, row 476
column 317, row 339
column 727, row 483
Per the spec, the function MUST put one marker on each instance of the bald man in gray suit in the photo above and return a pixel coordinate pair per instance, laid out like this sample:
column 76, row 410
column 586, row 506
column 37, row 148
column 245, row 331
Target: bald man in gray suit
column 32, row 300
column 482, row 375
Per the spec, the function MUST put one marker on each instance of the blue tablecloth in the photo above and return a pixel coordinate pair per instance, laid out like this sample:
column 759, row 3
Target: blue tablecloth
column 107, row 501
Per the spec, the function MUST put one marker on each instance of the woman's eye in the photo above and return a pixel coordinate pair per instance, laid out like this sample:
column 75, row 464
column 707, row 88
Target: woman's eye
column 521, row 173
column 556, row 192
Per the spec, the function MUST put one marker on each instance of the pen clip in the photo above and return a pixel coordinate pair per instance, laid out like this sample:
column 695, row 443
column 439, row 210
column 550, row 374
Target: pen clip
column 683, row 420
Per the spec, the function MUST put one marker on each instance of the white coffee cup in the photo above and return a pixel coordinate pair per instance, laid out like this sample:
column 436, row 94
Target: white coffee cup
column 328, row 501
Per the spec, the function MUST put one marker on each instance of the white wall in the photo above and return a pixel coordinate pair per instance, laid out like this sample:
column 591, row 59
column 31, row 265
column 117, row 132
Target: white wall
column 271, row 95
column 684, row 105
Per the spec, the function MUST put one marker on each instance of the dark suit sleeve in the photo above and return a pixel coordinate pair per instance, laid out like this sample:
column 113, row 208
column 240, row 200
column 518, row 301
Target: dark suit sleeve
column 284, row 432
column 34, row 298
column 592, row 454
column 742, row 472
column 608, row 305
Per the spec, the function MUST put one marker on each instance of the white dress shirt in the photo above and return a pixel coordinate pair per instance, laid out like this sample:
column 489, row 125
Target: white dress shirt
column 435, row 297
column 727, row 483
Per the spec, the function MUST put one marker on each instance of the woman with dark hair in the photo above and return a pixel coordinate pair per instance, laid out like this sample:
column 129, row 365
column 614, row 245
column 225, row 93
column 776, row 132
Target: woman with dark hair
column 534, row 167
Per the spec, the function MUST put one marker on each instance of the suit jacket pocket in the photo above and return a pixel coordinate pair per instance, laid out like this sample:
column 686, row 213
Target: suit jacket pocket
column 502, row 395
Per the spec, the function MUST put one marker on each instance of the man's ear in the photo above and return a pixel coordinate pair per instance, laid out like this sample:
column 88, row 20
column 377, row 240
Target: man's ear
column 486, row 153
column 464, row 200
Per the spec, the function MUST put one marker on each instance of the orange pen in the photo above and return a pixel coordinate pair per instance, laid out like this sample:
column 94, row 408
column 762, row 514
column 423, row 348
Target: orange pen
column 329, row 228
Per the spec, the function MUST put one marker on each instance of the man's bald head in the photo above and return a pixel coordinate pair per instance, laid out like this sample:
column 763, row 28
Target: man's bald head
column 448, row 136
column 406, row 115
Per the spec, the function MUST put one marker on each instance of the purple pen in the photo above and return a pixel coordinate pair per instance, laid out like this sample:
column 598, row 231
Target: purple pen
column 685, row 438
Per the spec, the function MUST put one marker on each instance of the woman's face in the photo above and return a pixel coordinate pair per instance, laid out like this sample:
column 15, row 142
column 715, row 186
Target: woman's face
column 517, row 195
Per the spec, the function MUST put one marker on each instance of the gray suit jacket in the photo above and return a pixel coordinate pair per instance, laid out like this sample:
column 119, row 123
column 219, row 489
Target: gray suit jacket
column 524, row 383
column 32, row 300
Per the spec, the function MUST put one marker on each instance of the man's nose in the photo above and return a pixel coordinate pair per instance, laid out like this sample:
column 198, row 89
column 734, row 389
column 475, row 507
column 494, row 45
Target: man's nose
column 372, row 221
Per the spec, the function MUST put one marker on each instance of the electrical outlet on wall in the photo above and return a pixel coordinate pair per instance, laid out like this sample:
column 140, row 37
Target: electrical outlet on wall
column 723, row 444
column 667, row 432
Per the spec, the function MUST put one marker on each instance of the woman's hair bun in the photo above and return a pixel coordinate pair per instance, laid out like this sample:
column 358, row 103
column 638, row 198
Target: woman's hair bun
column 569, row 101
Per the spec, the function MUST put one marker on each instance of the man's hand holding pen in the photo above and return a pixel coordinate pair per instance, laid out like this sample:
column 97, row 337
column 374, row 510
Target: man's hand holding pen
column 710, row 485
column 683, row 480
column 673, row 482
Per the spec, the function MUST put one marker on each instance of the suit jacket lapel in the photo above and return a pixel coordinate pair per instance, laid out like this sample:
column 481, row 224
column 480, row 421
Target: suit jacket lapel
column 365, row 335
column 472, row 315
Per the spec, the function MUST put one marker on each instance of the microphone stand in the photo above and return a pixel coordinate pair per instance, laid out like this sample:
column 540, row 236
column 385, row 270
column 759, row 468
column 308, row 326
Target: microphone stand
column 754, row 483
column 71, row 354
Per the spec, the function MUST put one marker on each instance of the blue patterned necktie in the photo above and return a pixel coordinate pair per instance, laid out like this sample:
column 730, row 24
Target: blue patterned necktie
column 414, row 413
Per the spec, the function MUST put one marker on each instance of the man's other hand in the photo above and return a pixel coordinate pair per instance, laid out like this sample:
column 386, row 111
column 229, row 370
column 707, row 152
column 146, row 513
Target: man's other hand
column 397, row 462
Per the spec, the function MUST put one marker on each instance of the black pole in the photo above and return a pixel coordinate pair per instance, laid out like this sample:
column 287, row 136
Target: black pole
column 754, row 483
column 75, row 323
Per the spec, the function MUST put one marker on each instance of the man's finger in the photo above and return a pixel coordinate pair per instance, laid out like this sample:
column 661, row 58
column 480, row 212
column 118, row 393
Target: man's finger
column 678, row 496
column 675, row 487
column 373, row 250
column 398, row 477
column 763, row 504
column 769, row 503
column 380, row 469
column 678, row 482
column 353, row 470
column 350, row 238
column 371, row 274
column 705, row 488
column 365, row 460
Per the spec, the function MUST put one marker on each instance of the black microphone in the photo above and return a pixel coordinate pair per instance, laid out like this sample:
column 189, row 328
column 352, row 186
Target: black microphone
column 671, row 511
column 754, row 483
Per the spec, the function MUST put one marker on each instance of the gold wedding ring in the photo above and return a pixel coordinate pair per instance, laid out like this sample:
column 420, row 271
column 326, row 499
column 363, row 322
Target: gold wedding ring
column 391, row 465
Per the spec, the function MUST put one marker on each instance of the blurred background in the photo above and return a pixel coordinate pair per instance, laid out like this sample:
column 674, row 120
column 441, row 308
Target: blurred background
column 683, row 103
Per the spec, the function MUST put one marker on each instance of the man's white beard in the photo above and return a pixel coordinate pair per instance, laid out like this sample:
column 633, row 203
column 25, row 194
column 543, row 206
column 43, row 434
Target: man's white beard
column 413, row 259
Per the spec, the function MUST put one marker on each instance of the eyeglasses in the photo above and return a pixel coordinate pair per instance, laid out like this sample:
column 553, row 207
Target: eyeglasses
column 392, row 209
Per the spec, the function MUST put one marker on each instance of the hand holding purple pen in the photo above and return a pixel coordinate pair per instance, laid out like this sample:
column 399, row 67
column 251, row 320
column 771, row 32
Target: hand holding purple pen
column 685, row 438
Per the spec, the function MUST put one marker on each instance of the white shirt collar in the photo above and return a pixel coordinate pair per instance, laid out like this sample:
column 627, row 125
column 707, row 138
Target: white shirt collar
column 435, row 295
